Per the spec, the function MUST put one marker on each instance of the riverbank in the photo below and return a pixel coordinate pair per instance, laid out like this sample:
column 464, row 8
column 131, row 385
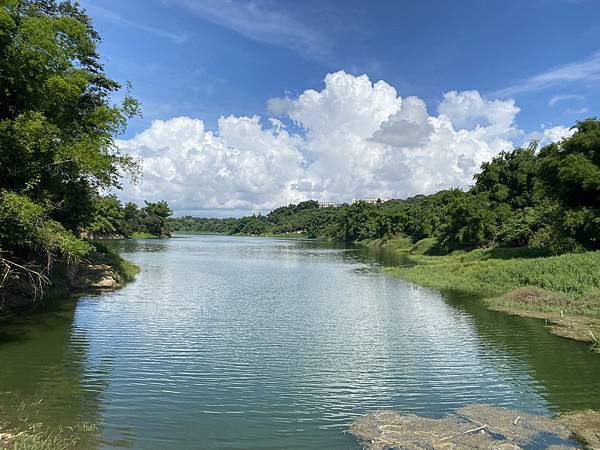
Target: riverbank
column 563, row 290
column 476, row 427
column 100, row 270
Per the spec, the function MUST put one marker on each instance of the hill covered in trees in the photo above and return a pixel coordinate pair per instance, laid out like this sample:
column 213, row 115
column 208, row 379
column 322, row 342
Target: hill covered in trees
column 546, row 198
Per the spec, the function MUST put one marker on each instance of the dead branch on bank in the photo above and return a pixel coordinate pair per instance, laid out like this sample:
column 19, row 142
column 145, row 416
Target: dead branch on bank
column 37, row 279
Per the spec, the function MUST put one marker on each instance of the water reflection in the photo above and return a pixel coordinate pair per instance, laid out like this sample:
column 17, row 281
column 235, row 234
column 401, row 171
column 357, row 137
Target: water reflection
column 551, row 360
column 227, row 342
column 46, row 376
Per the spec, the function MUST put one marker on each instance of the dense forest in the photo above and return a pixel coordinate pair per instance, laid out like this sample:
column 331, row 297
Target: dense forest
column 546, row 198
column 57, row 150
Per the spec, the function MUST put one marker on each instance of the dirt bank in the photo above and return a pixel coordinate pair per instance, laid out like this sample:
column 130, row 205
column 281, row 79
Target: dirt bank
column 96, row 272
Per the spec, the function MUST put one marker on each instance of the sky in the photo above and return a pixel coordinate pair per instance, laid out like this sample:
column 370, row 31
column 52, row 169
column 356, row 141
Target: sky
column 249, row 105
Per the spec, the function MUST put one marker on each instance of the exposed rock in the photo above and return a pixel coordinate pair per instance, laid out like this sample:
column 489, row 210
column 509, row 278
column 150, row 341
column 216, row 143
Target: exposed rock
column 96, row 272
column 103, row 235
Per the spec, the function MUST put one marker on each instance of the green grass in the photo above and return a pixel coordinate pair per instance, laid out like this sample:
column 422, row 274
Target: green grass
column 286, row 235
column 492, row 273
column 39, row 437
column 424, row 247
column 143, row 236
column 400, row 243
column 43, row 440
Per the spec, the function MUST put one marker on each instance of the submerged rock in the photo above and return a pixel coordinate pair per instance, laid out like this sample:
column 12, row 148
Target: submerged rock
column 585, row 426
column 471, row 427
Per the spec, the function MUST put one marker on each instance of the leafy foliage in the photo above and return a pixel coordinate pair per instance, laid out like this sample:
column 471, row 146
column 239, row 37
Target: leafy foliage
column 57, row 131
column 110, row 218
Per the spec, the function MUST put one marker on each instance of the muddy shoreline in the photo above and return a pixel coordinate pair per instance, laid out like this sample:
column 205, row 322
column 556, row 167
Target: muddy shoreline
column 478, row 427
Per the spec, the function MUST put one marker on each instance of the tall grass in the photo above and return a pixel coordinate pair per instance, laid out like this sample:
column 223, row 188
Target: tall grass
column 492, row 273
column 43, row 440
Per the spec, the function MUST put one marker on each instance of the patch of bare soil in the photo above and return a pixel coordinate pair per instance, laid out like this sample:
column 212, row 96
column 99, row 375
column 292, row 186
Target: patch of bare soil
column 474, row 427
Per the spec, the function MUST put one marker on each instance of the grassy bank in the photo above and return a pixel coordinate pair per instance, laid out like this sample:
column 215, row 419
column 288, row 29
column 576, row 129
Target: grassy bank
column 23, row 432
column 143, row 236
column 564, row 289
column 36, row 438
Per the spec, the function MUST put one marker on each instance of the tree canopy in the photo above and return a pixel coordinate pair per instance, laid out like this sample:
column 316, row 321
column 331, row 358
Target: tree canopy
column 57, row 131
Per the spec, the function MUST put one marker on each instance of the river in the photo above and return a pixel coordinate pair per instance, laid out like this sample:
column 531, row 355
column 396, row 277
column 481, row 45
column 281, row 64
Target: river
column 241, row 342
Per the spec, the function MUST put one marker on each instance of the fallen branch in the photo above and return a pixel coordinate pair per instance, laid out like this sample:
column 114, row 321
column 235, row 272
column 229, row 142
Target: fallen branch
column 38, row 279
column 465, row 432
column 516, row 421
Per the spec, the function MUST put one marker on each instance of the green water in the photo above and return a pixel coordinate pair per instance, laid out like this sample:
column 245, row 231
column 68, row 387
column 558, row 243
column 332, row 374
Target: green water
column 229, row 342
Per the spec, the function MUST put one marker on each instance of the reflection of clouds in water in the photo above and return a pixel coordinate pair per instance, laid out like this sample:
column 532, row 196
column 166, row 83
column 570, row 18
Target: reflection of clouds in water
column 227, row 341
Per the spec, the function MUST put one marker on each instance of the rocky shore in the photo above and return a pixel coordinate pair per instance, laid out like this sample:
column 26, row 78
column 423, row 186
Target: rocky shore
column 95, row 273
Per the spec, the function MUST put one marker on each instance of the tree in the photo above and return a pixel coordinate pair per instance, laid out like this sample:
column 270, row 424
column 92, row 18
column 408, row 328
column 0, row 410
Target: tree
column 132, row 218
column 510, row 177
column 471, row 222
column 108, row 216
column 57, row 130
column 570, row 172
column 155, row 218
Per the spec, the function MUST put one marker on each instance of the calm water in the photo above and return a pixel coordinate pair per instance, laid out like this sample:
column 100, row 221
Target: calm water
column 226, row 342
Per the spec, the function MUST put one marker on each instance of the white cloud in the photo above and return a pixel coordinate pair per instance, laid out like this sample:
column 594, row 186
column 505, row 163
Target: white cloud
column 468, row 109
column 548, row 135
column 587, row 70
column 263, row 22
column 356, row 139
column 577, row 111
column 561, row 98
column 177, row 37
column 242, row 166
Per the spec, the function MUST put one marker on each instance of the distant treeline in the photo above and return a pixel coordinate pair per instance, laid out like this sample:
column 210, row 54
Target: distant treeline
column 546, row 198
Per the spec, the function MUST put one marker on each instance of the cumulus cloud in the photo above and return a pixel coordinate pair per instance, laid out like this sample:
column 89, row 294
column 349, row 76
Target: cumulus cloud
column 356, row 139
column 549, row 135
column 242, row 166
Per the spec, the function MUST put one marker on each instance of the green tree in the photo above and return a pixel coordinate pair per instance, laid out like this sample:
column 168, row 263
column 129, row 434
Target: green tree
column 155, row 219
column 510, row 177
column 57, row 128
column 132, row 219
column 471, row 222
column 108, row 216
column 570, row 171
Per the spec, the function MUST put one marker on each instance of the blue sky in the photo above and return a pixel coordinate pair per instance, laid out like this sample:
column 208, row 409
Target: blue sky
column 207, row 59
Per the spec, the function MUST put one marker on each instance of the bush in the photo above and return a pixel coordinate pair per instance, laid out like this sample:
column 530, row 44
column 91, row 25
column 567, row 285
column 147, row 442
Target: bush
column 26, row 229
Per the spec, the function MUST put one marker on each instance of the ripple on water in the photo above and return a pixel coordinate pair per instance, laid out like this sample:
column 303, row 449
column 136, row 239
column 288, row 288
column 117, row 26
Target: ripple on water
column 263, row 343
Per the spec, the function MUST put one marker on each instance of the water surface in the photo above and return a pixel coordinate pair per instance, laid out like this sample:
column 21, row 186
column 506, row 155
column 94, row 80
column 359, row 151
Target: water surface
column 231, row 342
